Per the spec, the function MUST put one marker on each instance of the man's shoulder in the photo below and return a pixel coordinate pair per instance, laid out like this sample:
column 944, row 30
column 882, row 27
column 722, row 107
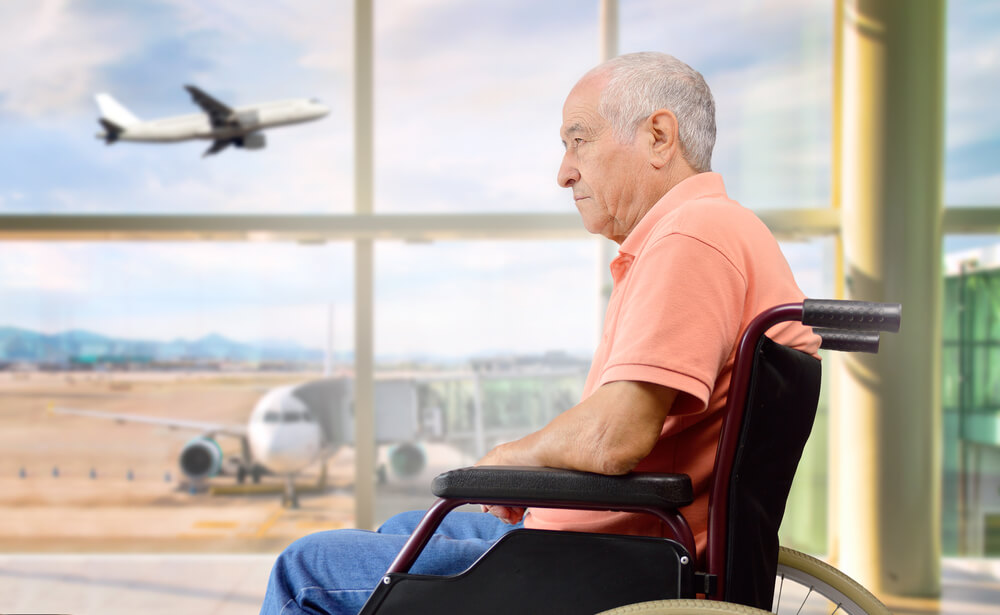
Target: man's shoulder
column 714, row 218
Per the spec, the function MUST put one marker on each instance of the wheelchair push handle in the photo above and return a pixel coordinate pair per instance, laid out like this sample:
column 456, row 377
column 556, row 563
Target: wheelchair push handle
column 848, row 341
column 852, row 315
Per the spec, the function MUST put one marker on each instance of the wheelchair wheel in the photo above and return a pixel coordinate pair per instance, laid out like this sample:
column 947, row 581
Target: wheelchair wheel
column 804, row 586
column 807, row 585
column 684, row 607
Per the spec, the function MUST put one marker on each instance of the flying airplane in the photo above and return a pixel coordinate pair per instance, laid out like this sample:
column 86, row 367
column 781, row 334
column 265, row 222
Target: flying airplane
column 220, row 123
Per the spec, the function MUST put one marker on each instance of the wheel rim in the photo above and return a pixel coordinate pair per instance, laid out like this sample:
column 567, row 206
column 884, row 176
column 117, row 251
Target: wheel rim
column 799, row 593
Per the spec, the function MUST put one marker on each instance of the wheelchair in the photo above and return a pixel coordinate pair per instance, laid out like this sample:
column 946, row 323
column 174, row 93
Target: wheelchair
column 770, row 410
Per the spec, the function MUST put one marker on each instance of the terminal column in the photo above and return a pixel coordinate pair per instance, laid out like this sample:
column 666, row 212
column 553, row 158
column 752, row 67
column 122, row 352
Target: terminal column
column 886, row 459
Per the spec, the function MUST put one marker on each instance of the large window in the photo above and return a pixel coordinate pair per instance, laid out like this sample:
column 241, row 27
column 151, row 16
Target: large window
column 57, row 57
column 172, row 334
column 478, row 343
column 972, row 155
column 469, row 99
column 475, row 341
column 770, row 70
column 971, row 469
column 804, row 523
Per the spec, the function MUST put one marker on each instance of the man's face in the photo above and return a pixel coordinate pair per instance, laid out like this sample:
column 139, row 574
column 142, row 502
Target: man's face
column 604, row 174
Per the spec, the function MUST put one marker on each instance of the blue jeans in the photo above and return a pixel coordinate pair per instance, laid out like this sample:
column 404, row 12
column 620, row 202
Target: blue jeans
column 336, row 571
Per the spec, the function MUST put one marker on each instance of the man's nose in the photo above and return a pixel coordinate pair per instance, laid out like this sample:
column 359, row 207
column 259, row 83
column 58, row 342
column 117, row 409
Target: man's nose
column 568, row 174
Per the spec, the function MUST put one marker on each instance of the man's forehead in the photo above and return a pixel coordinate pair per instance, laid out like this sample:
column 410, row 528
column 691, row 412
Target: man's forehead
column 580, row 112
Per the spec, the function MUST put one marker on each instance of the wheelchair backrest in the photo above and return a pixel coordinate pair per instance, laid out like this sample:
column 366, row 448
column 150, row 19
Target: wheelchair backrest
column 777, row 418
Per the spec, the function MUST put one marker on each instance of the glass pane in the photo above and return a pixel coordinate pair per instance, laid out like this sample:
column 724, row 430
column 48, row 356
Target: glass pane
column 467, row 116
column 970, row 399
column 476, row 344
column 804, row 526
column 189, row 347
column 142, row 54
column 972, row 158
column 772, row 97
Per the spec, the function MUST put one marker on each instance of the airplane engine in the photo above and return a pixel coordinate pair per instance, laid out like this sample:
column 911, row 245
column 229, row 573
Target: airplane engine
column 254, row 140
column 201, row 458
column 407, row 460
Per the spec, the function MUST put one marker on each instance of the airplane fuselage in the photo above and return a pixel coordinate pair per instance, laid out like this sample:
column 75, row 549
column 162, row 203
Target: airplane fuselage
column 245, row 121
column 283, row 434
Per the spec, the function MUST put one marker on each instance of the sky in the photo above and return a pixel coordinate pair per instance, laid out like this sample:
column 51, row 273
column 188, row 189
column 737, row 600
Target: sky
column 468, row 101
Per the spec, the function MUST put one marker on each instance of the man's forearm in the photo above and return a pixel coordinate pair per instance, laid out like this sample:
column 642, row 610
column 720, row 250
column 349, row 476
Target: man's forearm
column 608, row 433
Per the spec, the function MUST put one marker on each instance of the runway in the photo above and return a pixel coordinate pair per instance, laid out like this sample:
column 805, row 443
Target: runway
column 79, row 485
column 205, row 525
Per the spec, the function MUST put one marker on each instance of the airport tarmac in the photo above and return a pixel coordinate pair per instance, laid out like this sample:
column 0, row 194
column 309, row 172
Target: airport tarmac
column 76, row 484
column 72, row 484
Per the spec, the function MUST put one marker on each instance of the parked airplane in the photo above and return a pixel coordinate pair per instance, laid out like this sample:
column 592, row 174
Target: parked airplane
column 222, row 124
column 283, row 436
column 291, row 427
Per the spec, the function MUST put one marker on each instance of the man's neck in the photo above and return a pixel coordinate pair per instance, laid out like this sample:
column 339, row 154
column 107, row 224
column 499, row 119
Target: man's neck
column 671, row 177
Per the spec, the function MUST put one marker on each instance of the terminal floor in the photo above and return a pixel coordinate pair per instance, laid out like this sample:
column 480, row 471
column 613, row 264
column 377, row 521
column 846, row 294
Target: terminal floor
column 234, row 585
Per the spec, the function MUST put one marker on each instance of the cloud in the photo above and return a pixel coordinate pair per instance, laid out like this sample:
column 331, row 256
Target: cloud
column 320, row 28
column 161, row 290
column 303, row 323
column 38, row 267
column 982, row 190
column 973, row 74
column 475, row 130
column 51, row 53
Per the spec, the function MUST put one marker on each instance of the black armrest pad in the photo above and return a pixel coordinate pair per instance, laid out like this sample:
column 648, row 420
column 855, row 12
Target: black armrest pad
column 537, row 486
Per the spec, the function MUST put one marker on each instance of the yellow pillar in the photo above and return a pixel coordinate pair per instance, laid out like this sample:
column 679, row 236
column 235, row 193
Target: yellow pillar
column 364, row 269
column 887, row 458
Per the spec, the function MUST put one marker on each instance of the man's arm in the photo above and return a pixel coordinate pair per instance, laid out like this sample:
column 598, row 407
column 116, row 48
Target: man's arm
column 610, row 432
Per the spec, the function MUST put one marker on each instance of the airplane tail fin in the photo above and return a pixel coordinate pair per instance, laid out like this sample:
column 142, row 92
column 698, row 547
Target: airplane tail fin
column 111, row 131
column 114, row 112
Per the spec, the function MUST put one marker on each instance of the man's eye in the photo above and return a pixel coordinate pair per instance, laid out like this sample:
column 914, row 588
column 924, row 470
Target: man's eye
column 577, row 141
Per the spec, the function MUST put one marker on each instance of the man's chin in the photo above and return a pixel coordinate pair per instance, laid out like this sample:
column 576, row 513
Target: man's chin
column 605, row 229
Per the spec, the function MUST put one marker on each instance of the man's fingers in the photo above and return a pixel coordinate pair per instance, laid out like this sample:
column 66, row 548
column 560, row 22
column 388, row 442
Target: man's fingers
column 506, row 514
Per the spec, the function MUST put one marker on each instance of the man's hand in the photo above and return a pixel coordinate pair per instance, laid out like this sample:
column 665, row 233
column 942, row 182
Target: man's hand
column 610, row 432
column 507, row 514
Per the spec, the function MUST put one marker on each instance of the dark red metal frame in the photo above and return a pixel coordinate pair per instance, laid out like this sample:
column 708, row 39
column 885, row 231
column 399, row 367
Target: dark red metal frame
column 425, row 529
column 725, row 454
column 718, row 499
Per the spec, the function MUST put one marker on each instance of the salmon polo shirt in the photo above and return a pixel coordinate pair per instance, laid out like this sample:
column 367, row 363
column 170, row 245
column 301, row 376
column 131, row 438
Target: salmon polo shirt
column 689, row 278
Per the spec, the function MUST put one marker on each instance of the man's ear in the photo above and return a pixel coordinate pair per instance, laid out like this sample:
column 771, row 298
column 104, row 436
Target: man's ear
column 665, row 137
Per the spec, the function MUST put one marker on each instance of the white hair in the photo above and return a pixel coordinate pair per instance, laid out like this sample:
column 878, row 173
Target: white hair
column 640, row 83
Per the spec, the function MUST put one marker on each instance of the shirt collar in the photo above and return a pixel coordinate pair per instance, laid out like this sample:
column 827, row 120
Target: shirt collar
column 694, row 187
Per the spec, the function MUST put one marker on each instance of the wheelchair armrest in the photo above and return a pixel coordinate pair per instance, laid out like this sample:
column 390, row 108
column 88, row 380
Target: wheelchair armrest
column 533, row 486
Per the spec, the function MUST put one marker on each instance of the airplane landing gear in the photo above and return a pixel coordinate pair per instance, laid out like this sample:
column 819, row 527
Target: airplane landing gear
column 290, row 499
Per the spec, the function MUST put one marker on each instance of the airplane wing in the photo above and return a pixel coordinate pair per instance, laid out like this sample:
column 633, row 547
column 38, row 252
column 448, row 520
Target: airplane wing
column 203, row 426
column 217, row 146
column 218, row 112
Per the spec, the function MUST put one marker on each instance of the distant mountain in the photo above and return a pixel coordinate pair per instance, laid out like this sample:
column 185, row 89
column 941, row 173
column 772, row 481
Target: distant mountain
column 86, row 347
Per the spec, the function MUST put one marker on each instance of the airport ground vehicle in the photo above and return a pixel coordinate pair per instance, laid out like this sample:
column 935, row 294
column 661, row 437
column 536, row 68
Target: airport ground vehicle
column 769, row 414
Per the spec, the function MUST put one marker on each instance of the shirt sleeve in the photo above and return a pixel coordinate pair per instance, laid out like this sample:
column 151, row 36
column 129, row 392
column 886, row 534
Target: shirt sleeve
column 679, row 318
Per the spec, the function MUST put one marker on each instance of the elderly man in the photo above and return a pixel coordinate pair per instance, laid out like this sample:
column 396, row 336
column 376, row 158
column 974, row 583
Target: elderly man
column 693, row 269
